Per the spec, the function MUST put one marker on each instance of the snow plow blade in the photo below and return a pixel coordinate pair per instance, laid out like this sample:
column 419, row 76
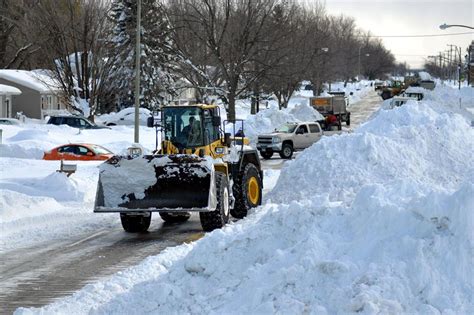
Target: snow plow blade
column 156, row 183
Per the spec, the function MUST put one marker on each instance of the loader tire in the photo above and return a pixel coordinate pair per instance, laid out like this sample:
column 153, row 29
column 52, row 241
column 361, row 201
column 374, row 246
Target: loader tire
column 219, row 217
column 173, row 217
column 247, row 191
column 135, row 223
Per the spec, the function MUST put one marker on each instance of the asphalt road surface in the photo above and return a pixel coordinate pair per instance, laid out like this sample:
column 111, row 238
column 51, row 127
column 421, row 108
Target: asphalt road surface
column 36, row 276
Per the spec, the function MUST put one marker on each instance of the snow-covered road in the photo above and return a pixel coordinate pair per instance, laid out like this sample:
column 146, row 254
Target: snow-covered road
column 40, row 274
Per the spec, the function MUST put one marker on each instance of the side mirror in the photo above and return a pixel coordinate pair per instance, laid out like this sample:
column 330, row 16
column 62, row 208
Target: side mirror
column 299, row 131
column 216, row 121
column 150, row 122
column 227, row 140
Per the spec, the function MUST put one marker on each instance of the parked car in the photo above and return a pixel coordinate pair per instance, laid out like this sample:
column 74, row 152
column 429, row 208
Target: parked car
column 79, row 152
column 125, row 117
column 398, row 101
column 9, row 121
column 73, row 121
column 288, row 138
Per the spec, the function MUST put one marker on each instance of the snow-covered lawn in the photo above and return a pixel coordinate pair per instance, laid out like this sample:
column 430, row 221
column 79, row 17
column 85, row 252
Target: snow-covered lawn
column 380, row 220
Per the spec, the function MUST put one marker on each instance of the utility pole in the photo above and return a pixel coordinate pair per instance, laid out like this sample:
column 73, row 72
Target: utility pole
column 137, row 72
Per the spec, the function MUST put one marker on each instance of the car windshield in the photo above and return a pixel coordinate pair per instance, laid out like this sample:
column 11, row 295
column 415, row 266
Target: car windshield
column 100, row 150
column 286, row 128
column 183, row 126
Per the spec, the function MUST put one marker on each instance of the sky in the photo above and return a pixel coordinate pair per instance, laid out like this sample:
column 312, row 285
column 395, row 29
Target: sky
column 415, row 17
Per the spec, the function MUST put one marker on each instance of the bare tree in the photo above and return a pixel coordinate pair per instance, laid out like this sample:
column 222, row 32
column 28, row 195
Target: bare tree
column 76, row 44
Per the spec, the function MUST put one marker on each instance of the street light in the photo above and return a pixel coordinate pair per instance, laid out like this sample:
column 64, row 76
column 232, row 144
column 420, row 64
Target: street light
column 445, row 26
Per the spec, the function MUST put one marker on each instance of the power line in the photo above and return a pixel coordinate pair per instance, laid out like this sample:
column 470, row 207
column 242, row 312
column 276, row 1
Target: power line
column 406, row 36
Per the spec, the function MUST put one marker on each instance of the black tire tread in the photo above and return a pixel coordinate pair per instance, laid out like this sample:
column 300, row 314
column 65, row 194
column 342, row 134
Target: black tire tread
column 135, row 224
column 216, row 219
column 242, row 204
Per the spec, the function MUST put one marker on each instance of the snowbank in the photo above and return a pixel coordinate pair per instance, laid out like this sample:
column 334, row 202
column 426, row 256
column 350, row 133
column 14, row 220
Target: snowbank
column 39, row 204
column 377, row 221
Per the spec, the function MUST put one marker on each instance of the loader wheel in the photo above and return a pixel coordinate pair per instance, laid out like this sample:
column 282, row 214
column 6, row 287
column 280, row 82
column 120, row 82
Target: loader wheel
column 135, row 223
column 219, row 217
column 286, row 151
column 247, row 191
column 266, row 154
column 175, row 217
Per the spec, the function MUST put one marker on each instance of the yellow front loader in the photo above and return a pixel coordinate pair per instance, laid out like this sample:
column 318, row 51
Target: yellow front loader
column 198, row 168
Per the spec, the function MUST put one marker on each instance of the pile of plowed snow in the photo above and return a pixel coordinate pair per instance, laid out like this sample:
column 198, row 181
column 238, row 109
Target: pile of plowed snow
column 377, row 221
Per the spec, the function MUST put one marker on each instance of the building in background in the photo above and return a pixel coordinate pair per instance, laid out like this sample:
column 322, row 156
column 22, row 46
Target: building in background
column 40, row 94
column 6, row 94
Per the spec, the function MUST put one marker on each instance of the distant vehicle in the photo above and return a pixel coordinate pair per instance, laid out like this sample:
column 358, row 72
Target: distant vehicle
column 78, row 152
column 416, row 92
column 289, row 138
column 73, row 121
column 400, row 100
column 378, row 85
column 427, row 84
column 333, row 106
column 126, row 117
column 9, row 121
column 395, row 88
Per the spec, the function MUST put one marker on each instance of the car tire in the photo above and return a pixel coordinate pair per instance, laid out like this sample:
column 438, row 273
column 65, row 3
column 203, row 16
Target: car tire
column 247, row 191
column 175, row 217
column 286, row 151
column 218, row 218
column 135, row 223
column 266, row 154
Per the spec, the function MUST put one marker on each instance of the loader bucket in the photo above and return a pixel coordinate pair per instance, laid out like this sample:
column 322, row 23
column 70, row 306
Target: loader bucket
column 156, row 183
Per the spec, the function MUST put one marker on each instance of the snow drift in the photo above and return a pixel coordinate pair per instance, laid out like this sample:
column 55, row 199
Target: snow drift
column 377, row 221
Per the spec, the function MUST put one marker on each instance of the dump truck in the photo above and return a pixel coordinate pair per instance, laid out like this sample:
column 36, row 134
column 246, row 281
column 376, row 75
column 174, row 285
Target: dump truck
column 333, row 106
column 198, row 168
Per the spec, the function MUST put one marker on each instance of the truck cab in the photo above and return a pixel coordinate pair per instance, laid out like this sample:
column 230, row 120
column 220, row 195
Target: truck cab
column 288, row 138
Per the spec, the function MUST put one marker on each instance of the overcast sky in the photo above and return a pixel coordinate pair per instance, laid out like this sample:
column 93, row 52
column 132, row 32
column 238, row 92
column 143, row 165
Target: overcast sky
column 415, row 17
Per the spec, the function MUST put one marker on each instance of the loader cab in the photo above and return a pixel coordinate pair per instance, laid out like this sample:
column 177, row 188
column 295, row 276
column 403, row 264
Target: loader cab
column 191, row 126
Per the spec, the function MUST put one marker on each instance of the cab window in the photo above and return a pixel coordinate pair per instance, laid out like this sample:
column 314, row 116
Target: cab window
column 302, row 129
column 211, row 133
column 314, row 128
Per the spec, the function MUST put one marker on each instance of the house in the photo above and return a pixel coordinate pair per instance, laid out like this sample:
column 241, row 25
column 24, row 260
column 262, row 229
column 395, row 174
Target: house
column 6, row 94
column 39, row 95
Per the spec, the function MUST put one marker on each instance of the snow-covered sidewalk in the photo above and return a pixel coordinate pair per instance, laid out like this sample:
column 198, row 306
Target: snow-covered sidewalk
column 377, row 221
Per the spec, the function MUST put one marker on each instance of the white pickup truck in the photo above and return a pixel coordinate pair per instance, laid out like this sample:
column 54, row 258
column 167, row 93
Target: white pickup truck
column 289, row 138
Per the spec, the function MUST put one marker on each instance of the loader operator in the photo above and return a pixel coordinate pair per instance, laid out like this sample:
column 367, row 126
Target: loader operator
column 192, row 132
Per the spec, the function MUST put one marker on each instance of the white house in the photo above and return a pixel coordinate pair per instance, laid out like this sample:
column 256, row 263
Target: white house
column 6, row 93
column 39, row 93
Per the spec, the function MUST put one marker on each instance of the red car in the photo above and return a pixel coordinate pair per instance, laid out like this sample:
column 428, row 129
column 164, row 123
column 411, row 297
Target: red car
column 78, row 152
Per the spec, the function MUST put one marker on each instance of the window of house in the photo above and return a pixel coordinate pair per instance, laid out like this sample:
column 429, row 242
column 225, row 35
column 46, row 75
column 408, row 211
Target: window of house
column 43, row 102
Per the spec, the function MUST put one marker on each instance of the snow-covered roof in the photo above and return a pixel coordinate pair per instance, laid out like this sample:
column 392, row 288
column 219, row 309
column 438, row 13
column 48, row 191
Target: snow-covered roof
column 9, row 90
column 37, row 80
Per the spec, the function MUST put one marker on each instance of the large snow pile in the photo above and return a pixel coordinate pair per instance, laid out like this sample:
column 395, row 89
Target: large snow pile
column 377, row 221
column 267, row 120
